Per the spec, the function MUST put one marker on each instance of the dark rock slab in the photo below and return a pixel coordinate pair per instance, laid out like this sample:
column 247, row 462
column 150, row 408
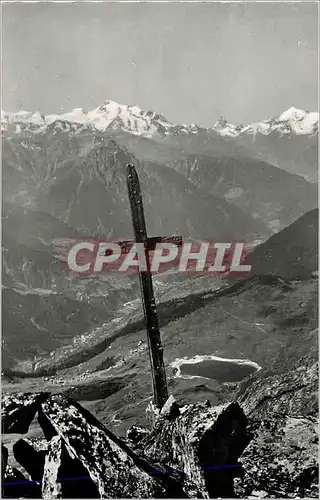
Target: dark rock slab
column 18, row 411
column 202, row 441
column 116, row 470
column 282, row 460
column 16, row 485
column 31, row 459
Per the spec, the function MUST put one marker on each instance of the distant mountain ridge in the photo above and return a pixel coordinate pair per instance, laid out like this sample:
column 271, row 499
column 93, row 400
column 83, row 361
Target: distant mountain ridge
column 292, row 121
column 111, row 115
column 288, row 141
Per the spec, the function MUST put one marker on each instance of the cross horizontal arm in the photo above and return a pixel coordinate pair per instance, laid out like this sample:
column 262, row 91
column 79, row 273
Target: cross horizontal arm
column 151, row 243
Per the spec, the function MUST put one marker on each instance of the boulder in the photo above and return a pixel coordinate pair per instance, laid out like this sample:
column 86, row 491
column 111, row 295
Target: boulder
column 205, row 443
column 51, row 486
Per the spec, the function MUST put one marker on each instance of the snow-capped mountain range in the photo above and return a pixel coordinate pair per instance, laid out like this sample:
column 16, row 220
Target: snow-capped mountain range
column 109, row 116
column 292, row 121
column 113, row 116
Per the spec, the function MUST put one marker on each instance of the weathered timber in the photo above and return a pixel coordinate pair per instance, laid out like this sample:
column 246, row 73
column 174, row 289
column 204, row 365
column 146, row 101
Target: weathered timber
column 149, row 304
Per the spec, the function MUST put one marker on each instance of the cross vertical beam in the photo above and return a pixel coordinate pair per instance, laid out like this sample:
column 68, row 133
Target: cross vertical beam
column 149, row 304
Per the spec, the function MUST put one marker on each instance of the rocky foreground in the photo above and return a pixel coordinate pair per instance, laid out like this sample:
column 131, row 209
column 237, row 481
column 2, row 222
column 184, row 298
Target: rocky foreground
column 263, row 445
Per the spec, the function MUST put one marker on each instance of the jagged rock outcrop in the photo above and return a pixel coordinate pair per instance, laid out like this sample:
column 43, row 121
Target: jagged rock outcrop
column 80, row 457
column 18, row 411
column 115, row 470
column 246, row 449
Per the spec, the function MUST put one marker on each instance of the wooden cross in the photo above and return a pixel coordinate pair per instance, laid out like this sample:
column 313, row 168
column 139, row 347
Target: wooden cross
column 149, row 304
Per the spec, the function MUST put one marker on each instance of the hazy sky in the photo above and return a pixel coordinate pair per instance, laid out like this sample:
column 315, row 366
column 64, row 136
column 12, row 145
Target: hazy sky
column 190, row 62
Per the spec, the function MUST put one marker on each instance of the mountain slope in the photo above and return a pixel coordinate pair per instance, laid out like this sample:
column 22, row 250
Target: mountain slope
column 291, row 253
column 90, row 193
column 253, row 185
column 297, row 154
column 43, row 308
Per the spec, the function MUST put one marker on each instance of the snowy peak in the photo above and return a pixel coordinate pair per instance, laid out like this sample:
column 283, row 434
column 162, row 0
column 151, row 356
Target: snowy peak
column 293, row 121
column 293, row 114
column 226, row 129
column 132, row 119
column 301, row 122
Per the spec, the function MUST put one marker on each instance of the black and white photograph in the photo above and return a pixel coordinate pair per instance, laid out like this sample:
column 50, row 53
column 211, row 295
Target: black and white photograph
column 159, row 182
